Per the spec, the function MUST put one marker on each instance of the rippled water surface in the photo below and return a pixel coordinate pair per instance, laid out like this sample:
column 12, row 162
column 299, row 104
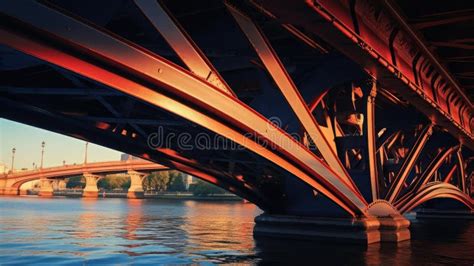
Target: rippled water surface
column 119, row 231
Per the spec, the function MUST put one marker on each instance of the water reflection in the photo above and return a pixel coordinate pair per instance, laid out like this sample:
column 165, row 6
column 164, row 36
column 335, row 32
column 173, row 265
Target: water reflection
column 293, row 252
column 120, row 231
column 87, row 223
column 133, row 220
column 432, row 243
column 216, row 236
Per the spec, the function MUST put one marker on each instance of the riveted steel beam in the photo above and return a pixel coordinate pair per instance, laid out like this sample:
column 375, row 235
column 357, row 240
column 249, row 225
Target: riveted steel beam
column 181, row 43
column 366, row 47
column 407, row 166
column 435, row 190
column 433, row 167
column 462, row 172
column 371, row 142
column 427, row 174
column 286, row 85
column 450, row 174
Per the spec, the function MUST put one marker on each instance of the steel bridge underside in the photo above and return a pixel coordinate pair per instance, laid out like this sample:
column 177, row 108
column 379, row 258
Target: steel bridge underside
column 301, row 107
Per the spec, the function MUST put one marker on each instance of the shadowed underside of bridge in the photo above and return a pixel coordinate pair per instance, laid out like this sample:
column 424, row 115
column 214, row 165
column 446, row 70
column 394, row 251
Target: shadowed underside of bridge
column 308, row 108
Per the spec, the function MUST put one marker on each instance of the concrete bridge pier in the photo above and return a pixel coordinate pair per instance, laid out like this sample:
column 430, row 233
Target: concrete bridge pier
column 136, row 185
column 11, row 191
column 363, row 231
column 381, row 223
column 91, row 190
column 394, row 228
column 46, row 188
column 6, row 188
column 59, row 184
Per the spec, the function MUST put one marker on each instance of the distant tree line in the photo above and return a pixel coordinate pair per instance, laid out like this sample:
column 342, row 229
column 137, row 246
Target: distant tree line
column 202, row 188
column 162, row 181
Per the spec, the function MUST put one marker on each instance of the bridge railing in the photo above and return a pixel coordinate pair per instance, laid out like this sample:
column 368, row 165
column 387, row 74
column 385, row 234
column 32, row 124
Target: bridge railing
column 77, row 166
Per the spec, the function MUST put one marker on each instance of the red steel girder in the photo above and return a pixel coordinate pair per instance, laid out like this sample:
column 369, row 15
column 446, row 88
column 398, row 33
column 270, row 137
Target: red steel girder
column 181, row 43
column 462, row 172
column 450, row 174
column 371, row 143
column 433, row 167
column 427, row 174
column 333, row 21
column 435, row 190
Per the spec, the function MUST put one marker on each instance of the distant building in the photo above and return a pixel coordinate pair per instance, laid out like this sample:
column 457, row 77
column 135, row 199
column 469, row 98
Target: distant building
column 188, row 180
column 124, row 157
column 3, row 168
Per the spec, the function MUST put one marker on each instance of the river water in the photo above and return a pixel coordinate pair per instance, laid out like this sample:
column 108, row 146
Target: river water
column 119, row 231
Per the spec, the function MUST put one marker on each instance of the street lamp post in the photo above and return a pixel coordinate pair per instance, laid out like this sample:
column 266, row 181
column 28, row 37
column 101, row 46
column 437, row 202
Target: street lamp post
column 85, row 153
column 13, row 158
column 42, row 154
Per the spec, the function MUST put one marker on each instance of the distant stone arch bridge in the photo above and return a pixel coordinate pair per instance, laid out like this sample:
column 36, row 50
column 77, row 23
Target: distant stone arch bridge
column 10, row 184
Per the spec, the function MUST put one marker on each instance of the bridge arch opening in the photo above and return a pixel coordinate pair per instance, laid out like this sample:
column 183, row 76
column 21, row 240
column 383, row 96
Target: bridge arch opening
column 24, row 188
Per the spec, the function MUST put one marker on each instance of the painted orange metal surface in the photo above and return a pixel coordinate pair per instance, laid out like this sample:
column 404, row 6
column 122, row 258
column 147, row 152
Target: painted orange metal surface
column 450, row 174
column 425, row 177
column 371, row 143
column 181, row 43
column 431, row 85
column 434, row 166
column 462, row 172
column 436, row 190
column 408, row 164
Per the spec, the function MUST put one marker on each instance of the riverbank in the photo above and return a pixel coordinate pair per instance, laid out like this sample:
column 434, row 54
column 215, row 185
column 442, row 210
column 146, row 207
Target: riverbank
column 174, row 196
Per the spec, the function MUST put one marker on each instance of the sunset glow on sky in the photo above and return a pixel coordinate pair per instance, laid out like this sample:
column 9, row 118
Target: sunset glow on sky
column 27, row 142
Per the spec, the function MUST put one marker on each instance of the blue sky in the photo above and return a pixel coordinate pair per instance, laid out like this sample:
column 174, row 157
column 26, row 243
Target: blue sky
column 27, row 141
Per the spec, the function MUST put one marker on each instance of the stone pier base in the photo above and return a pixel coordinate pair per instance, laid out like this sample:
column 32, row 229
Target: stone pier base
column 394, row 229
column 361, row 231
column 46, row 189
column 445, row 214
column 135, row 191
column 90, row 194
column 91, row 190
column 135, row 194
column 45, row 193
column 9, row 191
